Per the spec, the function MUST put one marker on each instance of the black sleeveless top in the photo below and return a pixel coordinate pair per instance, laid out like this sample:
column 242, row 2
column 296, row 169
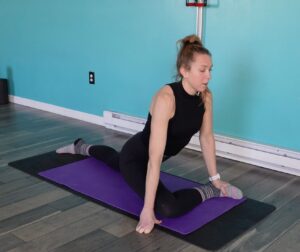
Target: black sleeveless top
column 186, row 121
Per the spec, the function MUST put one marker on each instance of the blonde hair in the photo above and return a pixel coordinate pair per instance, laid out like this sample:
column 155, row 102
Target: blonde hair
column 188, row 47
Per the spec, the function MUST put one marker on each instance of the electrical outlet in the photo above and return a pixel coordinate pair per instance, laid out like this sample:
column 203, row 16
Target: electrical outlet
column 92, row 77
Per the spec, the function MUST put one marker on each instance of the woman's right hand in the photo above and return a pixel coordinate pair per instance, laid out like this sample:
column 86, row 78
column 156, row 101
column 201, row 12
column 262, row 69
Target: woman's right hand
column 147, row 221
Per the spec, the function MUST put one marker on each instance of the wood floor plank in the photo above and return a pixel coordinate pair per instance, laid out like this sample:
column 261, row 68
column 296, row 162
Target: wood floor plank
column 9, row 242
column 10, row 174
column 67, row 202
column 89, row 242
column 17, row 184
column 193, row 248
column 200, row 173
column 284, row 194
column 269, row 229
column 68, row 233
column 25, row 193
column 172, row 163
column 155, row 241
column 3, row 167
column 187, row 167
column 130, row 242
column 24, row 218
column 289, row 242
column 248, row 180
column 235, row 171
column 224, row 164
column 30, row 150
column 31, row 203
column 48, row 225
column 165, row 242
column 121, row 227
column 267, row 185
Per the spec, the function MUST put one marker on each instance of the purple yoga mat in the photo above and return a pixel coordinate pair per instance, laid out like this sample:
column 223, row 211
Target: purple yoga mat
column 93, row 178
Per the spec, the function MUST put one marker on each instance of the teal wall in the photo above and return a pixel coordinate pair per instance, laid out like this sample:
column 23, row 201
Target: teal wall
column 256, row 81
column 48, row 47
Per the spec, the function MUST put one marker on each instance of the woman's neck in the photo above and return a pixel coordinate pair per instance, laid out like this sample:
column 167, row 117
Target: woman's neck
column 188, row 89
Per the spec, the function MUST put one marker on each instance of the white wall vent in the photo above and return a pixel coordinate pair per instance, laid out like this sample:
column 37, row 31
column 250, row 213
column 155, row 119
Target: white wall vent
column 257, row 154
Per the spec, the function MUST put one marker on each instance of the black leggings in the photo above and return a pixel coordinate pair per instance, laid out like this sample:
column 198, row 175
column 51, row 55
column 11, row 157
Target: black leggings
column 132, row 163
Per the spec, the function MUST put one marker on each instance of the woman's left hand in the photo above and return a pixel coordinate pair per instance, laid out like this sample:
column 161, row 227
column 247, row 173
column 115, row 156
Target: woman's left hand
column 221, row 185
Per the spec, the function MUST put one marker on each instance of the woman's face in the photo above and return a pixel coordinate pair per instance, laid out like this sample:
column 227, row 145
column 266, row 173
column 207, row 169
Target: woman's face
column 198, row 76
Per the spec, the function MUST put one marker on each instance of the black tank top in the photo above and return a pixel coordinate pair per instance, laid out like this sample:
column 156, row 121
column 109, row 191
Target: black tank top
column 184, row 124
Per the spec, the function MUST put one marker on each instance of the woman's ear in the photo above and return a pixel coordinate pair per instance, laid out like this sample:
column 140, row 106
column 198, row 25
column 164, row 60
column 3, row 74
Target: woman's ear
column 183, row 71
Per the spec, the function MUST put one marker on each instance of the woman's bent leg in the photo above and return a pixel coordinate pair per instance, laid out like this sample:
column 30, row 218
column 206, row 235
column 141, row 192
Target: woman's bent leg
column 133, row 166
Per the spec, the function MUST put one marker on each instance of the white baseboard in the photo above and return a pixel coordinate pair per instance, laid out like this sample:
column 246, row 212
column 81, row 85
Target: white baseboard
column 270, row 157
column 57, row 110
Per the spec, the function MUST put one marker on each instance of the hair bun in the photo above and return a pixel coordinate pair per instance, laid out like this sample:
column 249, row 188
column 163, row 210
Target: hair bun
column 191, row 39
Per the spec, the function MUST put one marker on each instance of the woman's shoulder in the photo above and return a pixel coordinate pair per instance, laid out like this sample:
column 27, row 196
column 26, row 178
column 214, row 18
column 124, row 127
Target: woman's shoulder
column 165, row 93
column 163, row 99
column 167, row 89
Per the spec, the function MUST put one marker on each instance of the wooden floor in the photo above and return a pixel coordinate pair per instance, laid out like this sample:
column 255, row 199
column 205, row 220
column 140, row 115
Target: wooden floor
column 37, row 216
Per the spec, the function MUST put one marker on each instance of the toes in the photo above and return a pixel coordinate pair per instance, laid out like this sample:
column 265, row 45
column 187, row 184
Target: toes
column 147, row 230
column 140, row 230
column 233, row 192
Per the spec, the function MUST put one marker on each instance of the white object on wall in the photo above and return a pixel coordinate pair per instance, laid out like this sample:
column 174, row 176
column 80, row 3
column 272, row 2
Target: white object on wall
column 257, row 154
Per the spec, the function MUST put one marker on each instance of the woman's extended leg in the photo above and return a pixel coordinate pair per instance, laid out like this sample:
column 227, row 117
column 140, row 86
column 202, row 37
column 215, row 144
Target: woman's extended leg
column 101, row 152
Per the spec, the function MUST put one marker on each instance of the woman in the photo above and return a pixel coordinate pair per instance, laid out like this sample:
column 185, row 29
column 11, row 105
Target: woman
column 177, row 112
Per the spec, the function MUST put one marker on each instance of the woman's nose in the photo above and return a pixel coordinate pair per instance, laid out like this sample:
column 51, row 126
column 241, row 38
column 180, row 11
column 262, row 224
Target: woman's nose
column 208, row 75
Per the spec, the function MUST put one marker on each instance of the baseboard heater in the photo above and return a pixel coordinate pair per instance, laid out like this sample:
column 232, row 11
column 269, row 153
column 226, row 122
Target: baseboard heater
column 248, row 152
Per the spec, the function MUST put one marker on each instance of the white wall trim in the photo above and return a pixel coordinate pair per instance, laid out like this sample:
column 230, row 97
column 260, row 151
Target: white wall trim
column 57, row 110
column 266, row 156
